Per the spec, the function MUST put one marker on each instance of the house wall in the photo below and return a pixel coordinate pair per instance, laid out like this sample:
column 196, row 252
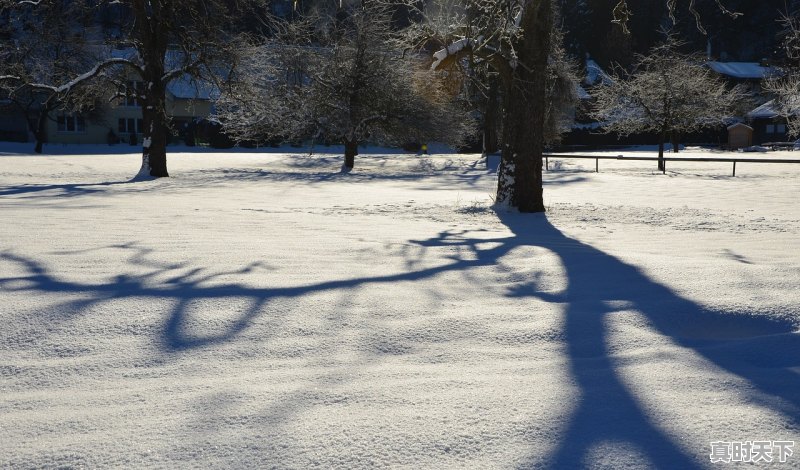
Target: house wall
column 97, row 131
column 739, row 137
column 93, row 133
column 769, row 130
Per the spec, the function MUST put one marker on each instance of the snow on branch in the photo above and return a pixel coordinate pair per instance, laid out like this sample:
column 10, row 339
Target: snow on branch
column 450, row 50
column 67, row 87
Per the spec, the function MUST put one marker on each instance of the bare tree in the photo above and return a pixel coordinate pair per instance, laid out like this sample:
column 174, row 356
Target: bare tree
column 667, row 92
column 349, row 85
column 168, row 40
column 47, row 50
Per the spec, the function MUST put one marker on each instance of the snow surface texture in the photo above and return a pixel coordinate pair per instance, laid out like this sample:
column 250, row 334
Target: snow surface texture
column 263, row 310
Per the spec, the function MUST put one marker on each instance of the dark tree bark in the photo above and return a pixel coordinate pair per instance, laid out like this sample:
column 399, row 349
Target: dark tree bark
column 661, row 138
column 520, row 177
column 38, row 125
column 675, row 140
column 152, row 37
column 40, row 132
column 350, row 152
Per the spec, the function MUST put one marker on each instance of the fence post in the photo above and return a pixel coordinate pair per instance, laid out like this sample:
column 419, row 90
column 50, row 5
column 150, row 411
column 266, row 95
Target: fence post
column 546, row 163
column 597, row 165
column 734, row 168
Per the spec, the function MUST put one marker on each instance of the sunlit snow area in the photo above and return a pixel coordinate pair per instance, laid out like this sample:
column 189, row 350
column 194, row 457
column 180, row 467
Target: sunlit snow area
column 261, row 309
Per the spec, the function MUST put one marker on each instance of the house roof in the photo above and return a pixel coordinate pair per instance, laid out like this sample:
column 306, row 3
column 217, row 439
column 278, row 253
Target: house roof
column 765, row 111
column 582, row 93
column 739, row 124
column 771, row 109
column 744, row 70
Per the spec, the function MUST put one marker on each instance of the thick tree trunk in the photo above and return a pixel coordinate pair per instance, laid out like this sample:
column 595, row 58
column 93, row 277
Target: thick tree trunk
column 154, row 140
column 520, row 176
column 350, row 152
column 675, row 142
column 152, row 47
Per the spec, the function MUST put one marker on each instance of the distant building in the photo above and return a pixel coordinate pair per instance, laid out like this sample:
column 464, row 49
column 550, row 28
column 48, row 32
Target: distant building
column 749, row 74
column 743, row 71
column 187, row 100
column 768, row 124
column 740, row 136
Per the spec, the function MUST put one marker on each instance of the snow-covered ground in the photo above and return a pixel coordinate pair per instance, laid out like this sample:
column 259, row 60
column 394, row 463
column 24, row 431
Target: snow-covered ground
column 262, row 310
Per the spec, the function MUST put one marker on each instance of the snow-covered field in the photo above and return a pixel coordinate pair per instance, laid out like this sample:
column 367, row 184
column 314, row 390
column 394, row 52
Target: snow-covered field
column 263, row 310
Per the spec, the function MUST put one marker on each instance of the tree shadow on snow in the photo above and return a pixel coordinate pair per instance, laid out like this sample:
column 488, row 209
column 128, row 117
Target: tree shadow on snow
column 757, row 349
column 59, row 190
column 753, row 348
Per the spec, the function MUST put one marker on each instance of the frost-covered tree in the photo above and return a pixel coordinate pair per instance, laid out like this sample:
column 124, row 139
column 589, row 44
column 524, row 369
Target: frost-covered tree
column 167, row 40
column 480, row 79
column 667, row 93
column 349, row 83
column 515, row 38
column 786, row 89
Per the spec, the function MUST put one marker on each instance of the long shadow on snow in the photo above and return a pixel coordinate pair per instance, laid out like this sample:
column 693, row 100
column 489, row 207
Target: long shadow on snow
column 62, row 190
column 607, row 409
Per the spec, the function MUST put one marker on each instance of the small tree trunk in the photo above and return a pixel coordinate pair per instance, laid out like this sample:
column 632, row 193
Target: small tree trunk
column 350, row 152
column 675, row 141
column 661, row 139
column 154, row 140
column 40, row 132
column 152, row 38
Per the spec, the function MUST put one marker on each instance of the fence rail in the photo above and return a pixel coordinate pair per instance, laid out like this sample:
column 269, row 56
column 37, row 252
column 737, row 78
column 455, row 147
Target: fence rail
column 597, row 159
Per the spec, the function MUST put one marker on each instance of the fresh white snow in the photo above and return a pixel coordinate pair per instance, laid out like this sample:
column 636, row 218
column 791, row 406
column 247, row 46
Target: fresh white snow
column 264, row 310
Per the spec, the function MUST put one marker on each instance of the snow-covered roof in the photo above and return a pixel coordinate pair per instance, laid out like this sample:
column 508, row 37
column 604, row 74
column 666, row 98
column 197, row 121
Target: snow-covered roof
column 595, row 74
column 744, row 70
column 767, row 110
column 582, row 93
column 770, row 110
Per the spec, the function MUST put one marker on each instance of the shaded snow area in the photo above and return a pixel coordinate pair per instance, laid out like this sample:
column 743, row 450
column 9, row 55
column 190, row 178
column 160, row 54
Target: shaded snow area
column 264, row 310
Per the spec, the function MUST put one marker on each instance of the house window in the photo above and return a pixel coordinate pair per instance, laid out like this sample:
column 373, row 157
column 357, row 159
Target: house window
column 130, row 126
column 132, row 93
column 770, row 128
column 71, row 123
column 780, row 128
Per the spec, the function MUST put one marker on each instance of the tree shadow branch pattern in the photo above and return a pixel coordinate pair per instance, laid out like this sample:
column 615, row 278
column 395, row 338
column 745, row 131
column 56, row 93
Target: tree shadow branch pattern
column 607, row 409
